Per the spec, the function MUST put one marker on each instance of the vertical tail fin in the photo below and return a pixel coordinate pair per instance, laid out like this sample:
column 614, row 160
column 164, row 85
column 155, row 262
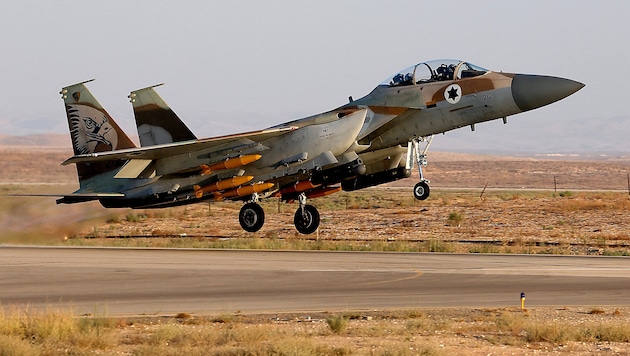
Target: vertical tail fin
column 92, row 130
column 157, row 124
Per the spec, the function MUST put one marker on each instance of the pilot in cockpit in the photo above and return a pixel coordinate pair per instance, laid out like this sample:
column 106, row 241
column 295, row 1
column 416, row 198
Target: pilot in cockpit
column 400, row 79
column 396, row 80
column 445, row 72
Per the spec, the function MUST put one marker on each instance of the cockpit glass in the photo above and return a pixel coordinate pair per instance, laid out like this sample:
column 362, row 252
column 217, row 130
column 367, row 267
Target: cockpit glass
column 404, row 77
column 467, row 70
column 443, row 69
column 436, row 70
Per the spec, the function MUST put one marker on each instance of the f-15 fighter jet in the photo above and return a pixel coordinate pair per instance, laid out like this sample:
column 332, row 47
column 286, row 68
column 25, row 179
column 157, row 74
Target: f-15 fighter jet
column 369, row 141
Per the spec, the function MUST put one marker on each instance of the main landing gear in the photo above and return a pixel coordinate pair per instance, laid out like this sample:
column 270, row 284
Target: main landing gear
column 306, row 218
column 421, row 190
column 252, row 216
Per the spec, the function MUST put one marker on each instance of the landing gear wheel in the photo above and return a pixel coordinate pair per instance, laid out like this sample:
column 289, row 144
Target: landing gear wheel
column 251, row 217
column 306, row 219
column 421, row 191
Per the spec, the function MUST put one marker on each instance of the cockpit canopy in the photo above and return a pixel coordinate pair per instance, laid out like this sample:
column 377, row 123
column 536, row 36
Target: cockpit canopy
column 434, row 71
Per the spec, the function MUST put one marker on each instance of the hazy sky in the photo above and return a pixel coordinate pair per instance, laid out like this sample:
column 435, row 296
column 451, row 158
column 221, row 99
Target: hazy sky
column 242, row 65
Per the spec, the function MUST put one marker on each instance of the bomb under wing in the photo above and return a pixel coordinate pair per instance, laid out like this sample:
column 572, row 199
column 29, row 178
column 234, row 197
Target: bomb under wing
column 230, row 163
column 221, row 185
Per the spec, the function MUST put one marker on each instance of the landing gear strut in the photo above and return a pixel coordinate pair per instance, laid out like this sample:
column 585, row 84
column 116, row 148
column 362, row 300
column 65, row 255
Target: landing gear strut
column 421, row 191
column 306, row 217
column 252, row 216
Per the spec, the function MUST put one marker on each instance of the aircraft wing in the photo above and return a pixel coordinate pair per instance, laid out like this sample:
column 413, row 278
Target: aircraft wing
column 173, row 149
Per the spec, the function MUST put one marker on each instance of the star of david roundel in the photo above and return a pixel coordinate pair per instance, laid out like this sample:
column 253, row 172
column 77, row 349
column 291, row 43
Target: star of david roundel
column 453, row 93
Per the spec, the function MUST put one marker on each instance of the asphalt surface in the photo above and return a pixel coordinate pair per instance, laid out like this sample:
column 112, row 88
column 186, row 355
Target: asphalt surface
column 169, row 281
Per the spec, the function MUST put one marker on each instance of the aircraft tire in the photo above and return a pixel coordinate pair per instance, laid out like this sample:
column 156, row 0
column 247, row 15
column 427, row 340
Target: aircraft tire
column 306, row 222
column 421, row 191
column 251, row 217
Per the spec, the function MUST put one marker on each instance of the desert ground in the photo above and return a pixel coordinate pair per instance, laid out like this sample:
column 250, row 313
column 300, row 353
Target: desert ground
column 42, row 164
column 479, row 204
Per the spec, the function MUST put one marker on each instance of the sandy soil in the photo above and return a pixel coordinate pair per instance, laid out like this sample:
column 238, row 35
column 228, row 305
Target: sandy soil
column 503, row 213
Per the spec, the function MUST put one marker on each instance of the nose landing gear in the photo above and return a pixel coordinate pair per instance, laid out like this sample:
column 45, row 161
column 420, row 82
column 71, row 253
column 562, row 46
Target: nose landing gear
column 421, row 190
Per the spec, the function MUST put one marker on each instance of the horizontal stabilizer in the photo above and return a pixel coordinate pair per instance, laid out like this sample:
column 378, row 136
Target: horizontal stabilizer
column 80, row 198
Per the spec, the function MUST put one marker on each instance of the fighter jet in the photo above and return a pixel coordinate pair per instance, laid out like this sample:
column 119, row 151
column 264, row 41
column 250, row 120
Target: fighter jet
column 369, row 141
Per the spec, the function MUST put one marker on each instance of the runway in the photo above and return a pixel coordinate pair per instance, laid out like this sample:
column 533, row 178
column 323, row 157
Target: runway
column 169, row 281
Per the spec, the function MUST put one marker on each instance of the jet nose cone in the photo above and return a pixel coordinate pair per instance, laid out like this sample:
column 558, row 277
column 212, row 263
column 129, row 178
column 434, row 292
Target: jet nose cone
column 533, row 91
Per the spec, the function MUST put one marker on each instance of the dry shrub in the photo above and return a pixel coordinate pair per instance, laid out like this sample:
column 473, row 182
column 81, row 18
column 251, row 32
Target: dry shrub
column 337, row 323
column 167, row 334
column 435, row 245
column 587, row 205
column 622, row 204
column 590, row 203
column 223, row 318
column 160, row 233
column 603, row 332
column 11, row 345
column 510, row 323
column 555, row 333
column 53, row 325
column 455, row 219
column 622, row 236
column 53, row 329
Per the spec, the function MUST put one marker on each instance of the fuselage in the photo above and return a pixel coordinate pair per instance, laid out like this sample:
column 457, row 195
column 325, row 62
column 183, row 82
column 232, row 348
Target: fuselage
column 366, row 136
